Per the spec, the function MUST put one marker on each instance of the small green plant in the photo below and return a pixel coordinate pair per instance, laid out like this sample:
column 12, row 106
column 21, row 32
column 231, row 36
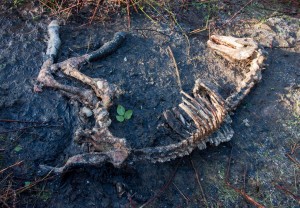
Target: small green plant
column 18, row 2
column 46, row 195
column 123, row 114
column 27, row 183
column 18, row 148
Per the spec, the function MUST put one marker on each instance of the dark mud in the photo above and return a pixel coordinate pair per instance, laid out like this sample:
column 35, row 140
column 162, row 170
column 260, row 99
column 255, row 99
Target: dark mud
column 266, row 124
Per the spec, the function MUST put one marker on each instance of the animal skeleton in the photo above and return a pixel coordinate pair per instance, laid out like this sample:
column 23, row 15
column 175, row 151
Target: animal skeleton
column 200, row 118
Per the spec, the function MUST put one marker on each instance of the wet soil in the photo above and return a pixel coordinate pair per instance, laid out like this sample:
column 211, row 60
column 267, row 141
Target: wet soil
column 266, row 124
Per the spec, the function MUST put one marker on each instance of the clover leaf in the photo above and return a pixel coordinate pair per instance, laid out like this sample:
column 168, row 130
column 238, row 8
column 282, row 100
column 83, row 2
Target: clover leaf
column 128, row 114
column 123, row 114
column 120, row 110
column 120, row 118
column 18, row 148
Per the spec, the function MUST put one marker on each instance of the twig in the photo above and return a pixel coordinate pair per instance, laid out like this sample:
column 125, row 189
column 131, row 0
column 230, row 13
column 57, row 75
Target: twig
column 134, row 6
column 131, row 203
column 95, row 11
column 246, row 196
column 228, row 166
column 152, row 30
column 245, row 172
column 241, row 192
column 294, row 148
column 20, row 190
column 13, row 193
column 16, row 164
column 201, row 29
column 68, row 8
column 198, row 181
column 4, row 203
column 20, row 121
column 233, row 16
column 29, row 127
column 176, row 67
column 293, row 46
column 295, row 176
column 6, row 177
column 51, row 9
column 276, row 10
column 14, row 201
column 293, row 159
column 128, row 12
column 297, row 198
column 182, row 194
column 163, row 189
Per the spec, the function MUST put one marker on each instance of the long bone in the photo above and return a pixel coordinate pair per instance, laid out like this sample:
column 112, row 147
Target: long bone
column 199, row 119
column 101, row 87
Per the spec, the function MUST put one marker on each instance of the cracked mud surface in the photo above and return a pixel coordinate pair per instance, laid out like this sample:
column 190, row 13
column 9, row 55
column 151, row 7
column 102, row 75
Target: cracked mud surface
column 266, row 124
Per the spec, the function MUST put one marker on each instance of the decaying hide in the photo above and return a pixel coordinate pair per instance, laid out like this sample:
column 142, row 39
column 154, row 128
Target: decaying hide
column 201, row 117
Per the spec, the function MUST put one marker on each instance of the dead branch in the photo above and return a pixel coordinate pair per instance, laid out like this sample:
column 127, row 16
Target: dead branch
column 11, row 166
column 294, row 148
column 199, row 183
column 293, row 160
column 245, row 196
column 297, row 198
column 164, row 188
column 182, row 194
column 244, row 181
column 176, row 67
column 34, row 183
column 20, row 121
column 95, row 11
column 29, row 127
column 235, row 14
column 241, row 192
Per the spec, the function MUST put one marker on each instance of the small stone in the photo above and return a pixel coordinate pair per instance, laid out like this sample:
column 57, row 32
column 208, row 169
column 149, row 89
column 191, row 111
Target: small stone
column 100, row 85
column 120, row 189
column 125, row 59
column 246, row 122
column 87, row 112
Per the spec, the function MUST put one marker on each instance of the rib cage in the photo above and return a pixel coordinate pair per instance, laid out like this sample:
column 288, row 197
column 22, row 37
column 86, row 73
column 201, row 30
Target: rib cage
column 194, row 119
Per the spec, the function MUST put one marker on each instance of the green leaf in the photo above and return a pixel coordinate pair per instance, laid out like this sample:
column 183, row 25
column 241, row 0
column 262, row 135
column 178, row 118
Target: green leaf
column 120, row 118
column 128, row 114
column 120, row 110
column 18, row 148
column 45, row 196
column 27, row 183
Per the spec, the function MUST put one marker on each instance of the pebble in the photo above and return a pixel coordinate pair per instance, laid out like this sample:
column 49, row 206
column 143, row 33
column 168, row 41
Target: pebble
column 87, row 112
column 246, row 122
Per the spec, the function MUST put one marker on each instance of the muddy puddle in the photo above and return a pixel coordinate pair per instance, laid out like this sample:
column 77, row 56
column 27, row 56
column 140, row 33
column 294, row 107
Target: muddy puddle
column 266, row 124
